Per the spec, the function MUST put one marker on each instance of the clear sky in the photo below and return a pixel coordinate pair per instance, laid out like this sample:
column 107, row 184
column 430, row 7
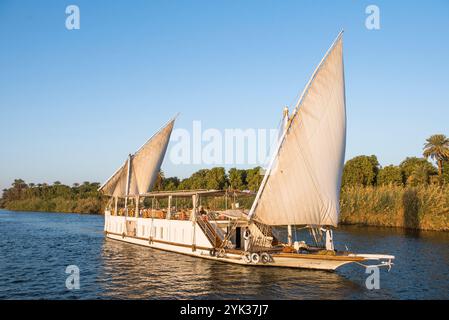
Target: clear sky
column 74, row 103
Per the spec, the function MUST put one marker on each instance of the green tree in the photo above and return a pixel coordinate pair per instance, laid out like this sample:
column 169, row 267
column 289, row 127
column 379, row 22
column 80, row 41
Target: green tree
column 216, row 178
column 185, row 184
column 3, row 198
column 419, row 176
column 437, row 148
column 254, row 178
column 198, row 179
column 18, row 189
column 237, row 179
column 361, row 170
column 19, row 184
column 171, row 183
column 390, row 175
column 416, row 169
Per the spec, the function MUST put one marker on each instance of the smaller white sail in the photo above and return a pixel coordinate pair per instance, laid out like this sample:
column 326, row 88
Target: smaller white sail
column 145, row 166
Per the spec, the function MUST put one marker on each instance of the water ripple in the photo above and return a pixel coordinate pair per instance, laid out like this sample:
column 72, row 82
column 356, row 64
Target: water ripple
column 37, row 247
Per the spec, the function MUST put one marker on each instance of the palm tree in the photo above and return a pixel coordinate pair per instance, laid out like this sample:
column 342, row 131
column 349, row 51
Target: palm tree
column 437, row 148
column 159, row 184
column 19, row 184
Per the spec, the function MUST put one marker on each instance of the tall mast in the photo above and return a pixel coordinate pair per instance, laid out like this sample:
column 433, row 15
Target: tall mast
column 128, row 179
column 285, row 120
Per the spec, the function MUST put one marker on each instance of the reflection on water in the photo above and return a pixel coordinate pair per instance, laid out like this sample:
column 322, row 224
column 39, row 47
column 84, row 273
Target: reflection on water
column 37, row 247
column 137, row 272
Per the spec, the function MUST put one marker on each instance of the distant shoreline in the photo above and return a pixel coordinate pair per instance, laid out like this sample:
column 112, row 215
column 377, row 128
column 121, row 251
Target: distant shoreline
column 55, row 212
column 59, row 212
column 411, row 196
column 422, row 208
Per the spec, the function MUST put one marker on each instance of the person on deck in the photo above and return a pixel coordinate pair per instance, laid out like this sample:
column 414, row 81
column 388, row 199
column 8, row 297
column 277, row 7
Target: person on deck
column 203, row 214
column 247, row 238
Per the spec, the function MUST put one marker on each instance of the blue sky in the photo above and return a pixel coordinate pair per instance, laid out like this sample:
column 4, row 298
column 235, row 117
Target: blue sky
column 74, row 103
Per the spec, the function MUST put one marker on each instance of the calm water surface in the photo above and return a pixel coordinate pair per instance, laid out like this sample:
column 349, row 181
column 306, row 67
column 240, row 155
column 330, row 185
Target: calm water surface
column 36, row 248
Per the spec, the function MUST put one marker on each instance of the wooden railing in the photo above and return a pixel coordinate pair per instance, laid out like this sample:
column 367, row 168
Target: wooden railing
column 262, row 235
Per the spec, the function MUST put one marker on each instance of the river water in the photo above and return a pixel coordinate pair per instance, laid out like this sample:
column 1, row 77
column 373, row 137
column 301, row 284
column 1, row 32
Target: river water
column 36, row 248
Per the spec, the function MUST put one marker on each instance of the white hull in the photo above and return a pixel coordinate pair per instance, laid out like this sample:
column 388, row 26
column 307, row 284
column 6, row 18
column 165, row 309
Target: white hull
column 200, row 247
column 289, row 262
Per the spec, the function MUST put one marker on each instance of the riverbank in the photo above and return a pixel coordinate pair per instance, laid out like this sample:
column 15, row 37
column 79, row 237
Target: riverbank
column 80, row 198
column 88, row 205
column 420, row 208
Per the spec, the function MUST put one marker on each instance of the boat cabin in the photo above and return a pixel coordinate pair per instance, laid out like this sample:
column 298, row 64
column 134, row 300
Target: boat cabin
column 221, row 216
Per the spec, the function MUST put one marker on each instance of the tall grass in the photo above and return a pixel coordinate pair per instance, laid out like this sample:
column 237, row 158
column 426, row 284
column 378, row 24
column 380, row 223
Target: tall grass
column 421, row 207
column 58, row 204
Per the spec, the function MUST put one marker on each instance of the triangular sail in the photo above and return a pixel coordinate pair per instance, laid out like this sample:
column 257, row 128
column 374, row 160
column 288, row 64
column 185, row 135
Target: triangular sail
column 302, row 186
column 116, row 185
column 145, row 165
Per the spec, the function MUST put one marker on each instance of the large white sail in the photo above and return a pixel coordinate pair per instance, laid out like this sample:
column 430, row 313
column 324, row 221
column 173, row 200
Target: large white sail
column 145, row 165
column 302, row 186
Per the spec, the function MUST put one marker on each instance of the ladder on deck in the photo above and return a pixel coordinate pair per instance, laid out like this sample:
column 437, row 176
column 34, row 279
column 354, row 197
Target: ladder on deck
column 210, row 232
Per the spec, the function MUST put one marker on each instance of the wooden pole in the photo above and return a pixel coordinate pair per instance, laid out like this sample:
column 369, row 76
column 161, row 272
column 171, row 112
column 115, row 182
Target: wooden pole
column 290, row 237
column 128, row 178
column 169, row 208
column 194, row 205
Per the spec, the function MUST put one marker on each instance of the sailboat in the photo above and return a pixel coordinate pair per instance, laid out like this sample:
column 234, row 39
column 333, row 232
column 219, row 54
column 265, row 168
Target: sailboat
column 300, row 189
